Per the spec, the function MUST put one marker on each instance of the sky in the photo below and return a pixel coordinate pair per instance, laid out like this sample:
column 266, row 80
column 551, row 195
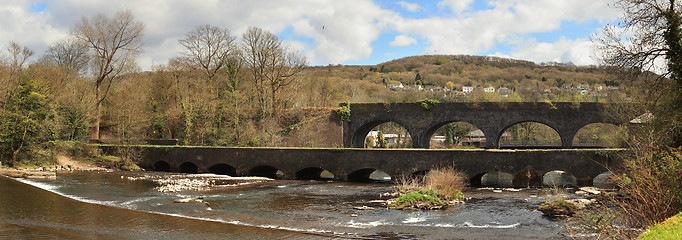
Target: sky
column 349, row 32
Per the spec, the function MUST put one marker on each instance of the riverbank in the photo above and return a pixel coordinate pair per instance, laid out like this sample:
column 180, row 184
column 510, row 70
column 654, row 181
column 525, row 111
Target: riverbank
column 64, row 164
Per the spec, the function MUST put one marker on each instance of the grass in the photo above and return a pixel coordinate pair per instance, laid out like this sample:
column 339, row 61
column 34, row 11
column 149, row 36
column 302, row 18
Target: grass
column 435, row 190
column 669, row 229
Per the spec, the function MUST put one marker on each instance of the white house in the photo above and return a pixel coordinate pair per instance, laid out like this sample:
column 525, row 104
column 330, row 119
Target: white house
column 489, row 89
column 396, row 86
column 467, row 89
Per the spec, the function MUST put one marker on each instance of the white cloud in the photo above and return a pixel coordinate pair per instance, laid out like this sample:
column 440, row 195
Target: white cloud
column 410, row 7
column 350, row 27
column 577, row 51
column 402, row 40
column 456, row 6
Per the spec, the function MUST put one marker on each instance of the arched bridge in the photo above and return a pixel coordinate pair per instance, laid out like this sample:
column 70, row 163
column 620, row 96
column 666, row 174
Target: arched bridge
column 492, row 119
column 358, row 164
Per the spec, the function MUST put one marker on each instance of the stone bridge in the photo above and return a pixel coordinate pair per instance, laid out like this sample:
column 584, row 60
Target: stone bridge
column 492, row 119
column 358, row 164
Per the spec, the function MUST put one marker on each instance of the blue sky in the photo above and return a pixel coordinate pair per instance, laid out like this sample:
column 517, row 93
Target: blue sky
column 355, row 31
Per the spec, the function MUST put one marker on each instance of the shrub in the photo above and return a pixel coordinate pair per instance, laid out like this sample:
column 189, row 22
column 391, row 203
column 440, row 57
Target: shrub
column 428, row 104
column 652, row 184
column 437, row 189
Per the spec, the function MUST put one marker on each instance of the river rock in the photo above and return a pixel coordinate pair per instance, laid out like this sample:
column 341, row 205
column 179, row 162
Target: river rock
column 603, row 181
column 559, row 178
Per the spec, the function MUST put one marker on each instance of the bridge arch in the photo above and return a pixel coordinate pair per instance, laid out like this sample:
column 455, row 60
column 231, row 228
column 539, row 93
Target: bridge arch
column 161, row 166
column 365, row 175
column 434, row 128
column 359, row 136
column 312, row 173
column 189, row 167
column 224, row 169
column 265, row 171
column 528, row 124
column 597, row 134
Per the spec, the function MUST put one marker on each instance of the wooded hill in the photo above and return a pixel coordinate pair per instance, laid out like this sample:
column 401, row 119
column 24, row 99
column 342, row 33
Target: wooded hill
column 527, row 80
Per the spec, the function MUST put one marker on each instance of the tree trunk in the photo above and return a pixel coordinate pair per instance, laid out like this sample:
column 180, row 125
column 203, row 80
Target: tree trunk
column 98, row 113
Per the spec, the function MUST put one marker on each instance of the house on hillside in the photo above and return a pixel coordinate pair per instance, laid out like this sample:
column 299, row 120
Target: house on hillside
column 503, row 91
column 489, row 90
column 467, row 89
column 396, row 86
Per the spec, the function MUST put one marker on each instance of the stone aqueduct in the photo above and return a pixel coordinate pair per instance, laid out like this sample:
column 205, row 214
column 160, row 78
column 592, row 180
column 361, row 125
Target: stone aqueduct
column 353, row 164
column 491, row 118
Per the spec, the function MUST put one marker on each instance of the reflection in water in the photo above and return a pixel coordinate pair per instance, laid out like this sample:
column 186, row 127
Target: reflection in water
column 130, row 206
column 34, row 213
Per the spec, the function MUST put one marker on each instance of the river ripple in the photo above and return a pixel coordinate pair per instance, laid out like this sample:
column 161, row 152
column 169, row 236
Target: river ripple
column 124, row 205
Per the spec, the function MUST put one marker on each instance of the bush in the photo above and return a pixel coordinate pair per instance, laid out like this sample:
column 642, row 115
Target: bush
column 652, row 186
column 435, row 190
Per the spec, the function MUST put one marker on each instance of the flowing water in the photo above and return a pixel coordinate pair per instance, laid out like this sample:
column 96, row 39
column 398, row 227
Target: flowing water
column 125, row 205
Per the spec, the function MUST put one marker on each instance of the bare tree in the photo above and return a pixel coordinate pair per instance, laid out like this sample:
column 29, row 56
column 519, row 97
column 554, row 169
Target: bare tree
column 209, row 48
column 273, row 67
column 647, row 40
column 70, row 54
column 19, row 55
column 115, row 43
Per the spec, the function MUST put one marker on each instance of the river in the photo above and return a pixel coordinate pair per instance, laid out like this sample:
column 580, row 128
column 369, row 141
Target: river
column 142, row 205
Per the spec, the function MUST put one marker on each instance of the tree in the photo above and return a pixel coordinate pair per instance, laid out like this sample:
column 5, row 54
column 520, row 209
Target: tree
column 649, row 33
column 18, row 55
column 115, row 43
column 69, row 54
column 209, row 48
column 272, row 66
column 22, row 120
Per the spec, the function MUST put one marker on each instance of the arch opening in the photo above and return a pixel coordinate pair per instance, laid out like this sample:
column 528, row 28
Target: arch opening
column 369, row 175
column 383, row 134
column 224, row 169
column 529, row 135
column 559, row 178
column 600, row 135
column 451, row 135
column 266, row 171
column 314, row 173
column 188, row 167
column 475, row 181
column 162, row 166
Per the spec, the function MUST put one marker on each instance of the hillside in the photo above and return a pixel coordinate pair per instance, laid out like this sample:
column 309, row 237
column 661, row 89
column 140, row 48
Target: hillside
column 446, row 75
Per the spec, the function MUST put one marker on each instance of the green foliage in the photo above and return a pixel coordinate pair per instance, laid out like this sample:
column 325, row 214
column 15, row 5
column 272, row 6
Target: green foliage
column 428, row 104
column 381, row 140
column 558, row 208
column 158, row 127
column 425, row 198
column 23, row 117
column 454, row 132
column 343, row 111
column 669, row 229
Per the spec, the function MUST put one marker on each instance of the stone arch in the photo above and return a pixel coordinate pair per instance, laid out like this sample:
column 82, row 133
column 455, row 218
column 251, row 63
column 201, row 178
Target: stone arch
column 559, row 178
column 562, row 138
column 497, row 179
column 189, row 167
column 310, row 173
column 162, row 166
column 595, row 134
column 359, row 135
column 224, row 169
column 265, row 171
column 475, row 180
column 362, row 175
column 426, row 140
